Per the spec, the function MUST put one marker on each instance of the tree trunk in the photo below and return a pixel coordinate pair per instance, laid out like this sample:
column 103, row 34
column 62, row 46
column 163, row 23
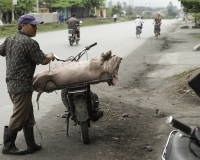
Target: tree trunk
column 195, row 21
column 82, row 12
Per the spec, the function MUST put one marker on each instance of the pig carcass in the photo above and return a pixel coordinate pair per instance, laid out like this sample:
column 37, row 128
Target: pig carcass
column 64, row 73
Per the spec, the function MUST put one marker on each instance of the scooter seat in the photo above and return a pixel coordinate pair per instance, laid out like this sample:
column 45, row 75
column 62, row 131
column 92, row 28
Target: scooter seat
column 182, row 149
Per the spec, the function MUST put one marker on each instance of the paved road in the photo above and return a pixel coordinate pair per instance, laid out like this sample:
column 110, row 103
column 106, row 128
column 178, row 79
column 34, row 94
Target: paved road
column 118, row 37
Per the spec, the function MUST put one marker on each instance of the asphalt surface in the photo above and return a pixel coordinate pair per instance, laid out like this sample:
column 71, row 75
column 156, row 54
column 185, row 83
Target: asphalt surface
column 116, row 37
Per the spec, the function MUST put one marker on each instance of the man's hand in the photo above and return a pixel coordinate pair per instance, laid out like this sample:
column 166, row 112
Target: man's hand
column 49, row 57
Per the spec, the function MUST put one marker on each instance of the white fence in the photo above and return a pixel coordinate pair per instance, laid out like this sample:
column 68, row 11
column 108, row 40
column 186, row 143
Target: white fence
column 46, row 17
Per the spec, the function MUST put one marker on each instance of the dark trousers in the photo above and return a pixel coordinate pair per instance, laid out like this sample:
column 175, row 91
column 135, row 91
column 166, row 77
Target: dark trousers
column 22, row 111
column 78, row 33
column 157, row 27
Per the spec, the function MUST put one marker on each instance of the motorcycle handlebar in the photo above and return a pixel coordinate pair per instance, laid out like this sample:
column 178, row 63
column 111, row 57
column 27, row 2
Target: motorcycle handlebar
column 87, row 48
column 182, row 127
column 77, row 57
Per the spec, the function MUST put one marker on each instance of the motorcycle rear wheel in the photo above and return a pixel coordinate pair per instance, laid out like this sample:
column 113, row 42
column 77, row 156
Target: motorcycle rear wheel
column 84, row 132
column 156, row 34
column 70, row 42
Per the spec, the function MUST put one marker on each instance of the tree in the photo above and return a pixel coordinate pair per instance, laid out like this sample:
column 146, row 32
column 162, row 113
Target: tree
column 191, row 6
column 71, row 3
column 129, row 10
column 110, row 5
column 124, row 5
column 94, row 3
column 172, row 11
column 66, row 3
column 25, row 5
column 117, row 9
column 5, row 5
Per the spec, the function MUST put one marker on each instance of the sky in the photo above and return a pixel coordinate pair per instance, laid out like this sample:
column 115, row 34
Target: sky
column 149, row 3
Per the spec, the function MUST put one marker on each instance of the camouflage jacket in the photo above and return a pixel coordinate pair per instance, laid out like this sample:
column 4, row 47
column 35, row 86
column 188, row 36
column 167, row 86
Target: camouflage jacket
column 22, row 54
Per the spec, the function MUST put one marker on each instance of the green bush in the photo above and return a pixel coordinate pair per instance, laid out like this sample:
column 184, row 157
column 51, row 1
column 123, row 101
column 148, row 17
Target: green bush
column 14, row 22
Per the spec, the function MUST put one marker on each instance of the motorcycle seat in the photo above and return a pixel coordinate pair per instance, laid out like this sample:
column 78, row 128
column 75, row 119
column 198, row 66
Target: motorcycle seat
column 182, row 149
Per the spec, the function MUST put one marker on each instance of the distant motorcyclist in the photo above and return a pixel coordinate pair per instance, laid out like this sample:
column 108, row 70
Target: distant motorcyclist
column 138, row 23
column 157, row 23
column 73, row 23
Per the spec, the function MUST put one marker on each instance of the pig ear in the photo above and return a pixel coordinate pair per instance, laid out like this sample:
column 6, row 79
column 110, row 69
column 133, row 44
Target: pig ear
column 102, row 54
column 102, row 58
column 109, row 53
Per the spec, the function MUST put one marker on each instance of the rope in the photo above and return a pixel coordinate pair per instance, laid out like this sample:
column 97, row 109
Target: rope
column 39, row 133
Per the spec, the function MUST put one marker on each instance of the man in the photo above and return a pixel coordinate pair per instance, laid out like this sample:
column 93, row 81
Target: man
column 138, row 23
column 73, row 23
column 60, row 17
column 157, row 23
column 115, row 17
column 185, row 16
column 22, row 53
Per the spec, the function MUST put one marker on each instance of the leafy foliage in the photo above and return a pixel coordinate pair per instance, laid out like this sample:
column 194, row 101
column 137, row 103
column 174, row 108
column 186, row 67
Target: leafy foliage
column 172, row 11
column 71, row 3
column 28, row 5
column 5, row 5
column 25, row 5
column 117, row 9
column 192, row 6
column 66, row 3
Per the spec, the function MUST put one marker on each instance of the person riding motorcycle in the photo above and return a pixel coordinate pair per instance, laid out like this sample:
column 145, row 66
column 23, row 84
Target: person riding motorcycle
column 157, row 23
column 73, row 23
column 139, row 23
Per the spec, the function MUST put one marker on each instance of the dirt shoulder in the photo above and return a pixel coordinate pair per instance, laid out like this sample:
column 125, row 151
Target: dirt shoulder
column 147, row 100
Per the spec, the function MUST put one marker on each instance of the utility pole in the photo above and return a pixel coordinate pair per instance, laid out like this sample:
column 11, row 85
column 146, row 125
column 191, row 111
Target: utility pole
column 37, row 6
column 12, row 5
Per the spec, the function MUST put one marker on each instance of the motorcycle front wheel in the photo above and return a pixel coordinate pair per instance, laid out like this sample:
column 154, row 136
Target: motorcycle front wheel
column 156, row 35
column 84, row 132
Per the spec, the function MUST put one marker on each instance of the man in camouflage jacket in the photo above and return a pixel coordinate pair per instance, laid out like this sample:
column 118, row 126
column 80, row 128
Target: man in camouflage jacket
column 22, row 54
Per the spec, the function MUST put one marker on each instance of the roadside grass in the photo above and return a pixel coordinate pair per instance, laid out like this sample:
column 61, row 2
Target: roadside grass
column 91, row 22
column 186, row 72
column 197, row 36
column 7, row 30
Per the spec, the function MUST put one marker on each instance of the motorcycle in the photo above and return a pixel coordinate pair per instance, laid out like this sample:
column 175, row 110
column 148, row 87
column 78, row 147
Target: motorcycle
column 81, row 103
column 157, row 30
column 72, row 36
column 182, row 144
column 138, row 32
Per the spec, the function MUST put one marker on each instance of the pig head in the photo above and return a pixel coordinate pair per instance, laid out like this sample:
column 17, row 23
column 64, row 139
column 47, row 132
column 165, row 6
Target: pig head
column 65, row 73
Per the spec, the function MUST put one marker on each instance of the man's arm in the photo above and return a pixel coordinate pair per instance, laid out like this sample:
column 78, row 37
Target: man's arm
column 154, row 21
column 2, row 50
column 49, row 57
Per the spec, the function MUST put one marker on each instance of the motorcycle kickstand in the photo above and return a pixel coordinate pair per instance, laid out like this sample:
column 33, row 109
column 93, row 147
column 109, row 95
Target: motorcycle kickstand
column 67, row 121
